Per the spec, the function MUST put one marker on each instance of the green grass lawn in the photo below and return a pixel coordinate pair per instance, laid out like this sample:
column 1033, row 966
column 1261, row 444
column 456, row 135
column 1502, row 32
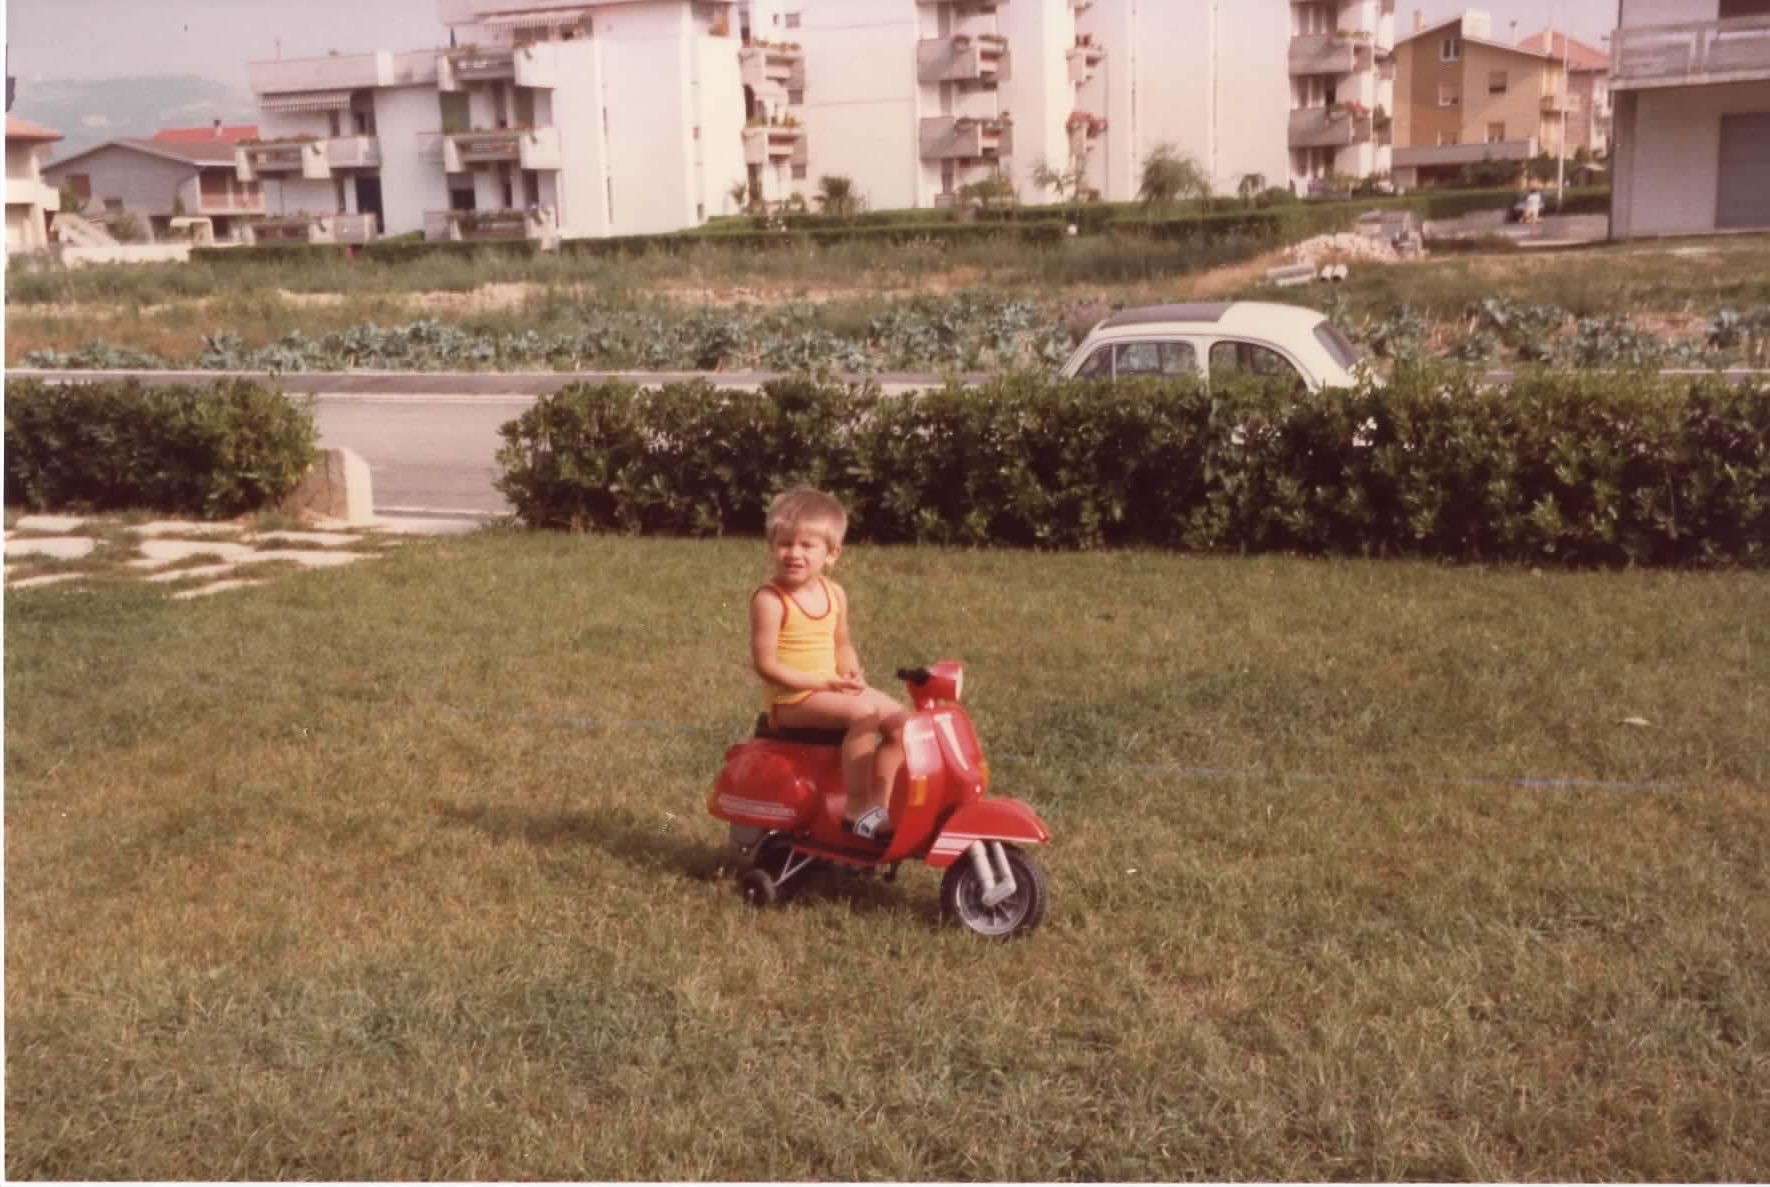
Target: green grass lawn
column 405, row 872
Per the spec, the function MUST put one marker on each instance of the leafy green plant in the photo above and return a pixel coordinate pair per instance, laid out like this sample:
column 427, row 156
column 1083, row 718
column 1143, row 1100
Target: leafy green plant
column 214, row 451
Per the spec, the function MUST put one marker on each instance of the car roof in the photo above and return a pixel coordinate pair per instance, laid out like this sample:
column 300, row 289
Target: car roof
column 1232, row 316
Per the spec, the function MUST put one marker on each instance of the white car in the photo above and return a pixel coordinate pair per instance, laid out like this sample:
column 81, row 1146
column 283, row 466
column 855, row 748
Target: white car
column 1228, row 337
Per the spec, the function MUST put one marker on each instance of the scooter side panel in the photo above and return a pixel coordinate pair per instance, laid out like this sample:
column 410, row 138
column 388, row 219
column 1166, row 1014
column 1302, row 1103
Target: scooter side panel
column 920, row 793
column 769, row 784
column 987, row 820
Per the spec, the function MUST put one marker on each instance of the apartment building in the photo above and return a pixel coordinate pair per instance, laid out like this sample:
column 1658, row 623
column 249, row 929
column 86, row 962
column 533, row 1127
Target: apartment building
column 591, row 118
column 1690, row 83
column 1342, row 73
column 1464, row 98
column 1588, row 88
column 29, row 199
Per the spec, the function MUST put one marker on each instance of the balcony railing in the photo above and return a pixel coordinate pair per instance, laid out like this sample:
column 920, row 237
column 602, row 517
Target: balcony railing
column 311, row 228
column 463, row 150
column 772, row 70
column 1690, row 54
column 966, row 57
column 304, row 157
column 218, row 192
column 946, row 137
column 29, row 191
column 1324, row 53
column 1083, row 58
column 353, row 152
column 775, row 144
column 455, row 68
column 536, row 222
column 1329, row 127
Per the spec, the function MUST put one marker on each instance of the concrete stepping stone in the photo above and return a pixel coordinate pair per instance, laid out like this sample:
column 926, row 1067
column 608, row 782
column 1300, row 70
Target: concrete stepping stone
column 187, row 574
column 48, row 523
column 185, row 527
column 46, row 579
column 311, row 560
column 319, row 539
column 67, row 548
column 155, row 553
column 218, row 587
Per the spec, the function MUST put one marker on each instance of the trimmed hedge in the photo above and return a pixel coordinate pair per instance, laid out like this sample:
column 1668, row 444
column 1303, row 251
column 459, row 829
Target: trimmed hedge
column 213, row 450
column 1581, row 469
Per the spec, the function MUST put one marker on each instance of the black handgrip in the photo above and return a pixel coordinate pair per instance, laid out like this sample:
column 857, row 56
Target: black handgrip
column 913, row 675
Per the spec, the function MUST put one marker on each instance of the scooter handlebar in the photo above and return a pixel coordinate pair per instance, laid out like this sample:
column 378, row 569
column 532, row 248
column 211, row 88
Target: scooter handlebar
column 913, row 675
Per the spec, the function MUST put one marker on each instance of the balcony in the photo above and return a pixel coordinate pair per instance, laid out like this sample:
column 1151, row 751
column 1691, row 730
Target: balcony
column 775, row 144
column 463, row 150
column 1330, row 127
column 311, row 228
column 946, row 137
column 1692, row 54
column 1083, row 129
column 1428, row 155
column 1083, row 57
column 1324, row 53
column 304, row 157
column 771, row 70
column 457, row 68
column 965, row 57
column 215, row 191
column 1555, row 103
column 29, row 191
column 537, row 222
column 334, row 72
column 353, row 152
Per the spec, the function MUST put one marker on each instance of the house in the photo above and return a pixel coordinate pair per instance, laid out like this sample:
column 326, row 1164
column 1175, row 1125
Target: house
column 159, row 180
column 1342, row 72
column 1690, row 86
column 228, row 133
column 1588, row 89
column 1463, row 98
column 29, row 199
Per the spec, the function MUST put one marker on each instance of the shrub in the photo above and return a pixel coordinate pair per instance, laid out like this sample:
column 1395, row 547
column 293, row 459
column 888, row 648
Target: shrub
column 1570, row 469
column 214, row 451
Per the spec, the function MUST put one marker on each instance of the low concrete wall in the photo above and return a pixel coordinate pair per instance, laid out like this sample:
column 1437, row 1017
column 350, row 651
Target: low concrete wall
column 125, row 253
column 337, row 487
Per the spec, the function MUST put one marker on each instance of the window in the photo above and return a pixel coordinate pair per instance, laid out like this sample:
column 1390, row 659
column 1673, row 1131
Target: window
column 795, row 96
column 1337, row 344
column 1496, row 82
column 792, row 20
column 1247, row 358
column 460, row 199
column 82, row 185
column 1098, row 366
column 1450, row 50
column 1447, row 94
column 1160, row 359
column 1496, row 132
column 801, row 172
column 1446, row 139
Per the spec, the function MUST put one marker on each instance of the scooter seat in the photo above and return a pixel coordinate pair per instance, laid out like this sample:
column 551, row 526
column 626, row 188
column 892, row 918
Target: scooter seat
column 797, row 736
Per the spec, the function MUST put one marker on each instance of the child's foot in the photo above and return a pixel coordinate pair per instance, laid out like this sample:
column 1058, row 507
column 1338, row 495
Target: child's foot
column 873, row 824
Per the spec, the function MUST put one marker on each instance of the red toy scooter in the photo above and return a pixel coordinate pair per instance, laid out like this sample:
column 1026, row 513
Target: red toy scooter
column 782, row 792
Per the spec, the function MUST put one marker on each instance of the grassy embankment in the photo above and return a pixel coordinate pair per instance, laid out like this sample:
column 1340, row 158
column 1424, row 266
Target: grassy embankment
column 1669, row 290
column 405, row 873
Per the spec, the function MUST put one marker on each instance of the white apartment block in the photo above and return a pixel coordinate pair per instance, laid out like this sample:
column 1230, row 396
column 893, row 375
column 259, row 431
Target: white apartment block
column 579, row 118
column 1342, row 72
column 1690, row 89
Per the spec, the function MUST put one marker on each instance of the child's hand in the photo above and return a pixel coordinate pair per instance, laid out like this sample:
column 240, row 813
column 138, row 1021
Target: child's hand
column 850, row 682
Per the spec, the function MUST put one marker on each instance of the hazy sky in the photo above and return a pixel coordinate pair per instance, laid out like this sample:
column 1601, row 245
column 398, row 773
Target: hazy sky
column 215, row 38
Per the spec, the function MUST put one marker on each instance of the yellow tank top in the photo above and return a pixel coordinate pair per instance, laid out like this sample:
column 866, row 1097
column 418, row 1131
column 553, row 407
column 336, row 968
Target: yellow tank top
column 807, row 644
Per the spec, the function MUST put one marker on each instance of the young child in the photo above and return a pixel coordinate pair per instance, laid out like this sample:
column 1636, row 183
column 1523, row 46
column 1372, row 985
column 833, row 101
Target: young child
column 801, row 647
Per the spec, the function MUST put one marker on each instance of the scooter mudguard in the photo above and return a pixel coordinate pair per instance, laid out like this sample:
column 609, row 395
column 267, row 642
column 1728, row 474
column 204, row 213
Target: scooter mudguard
column 986, row 820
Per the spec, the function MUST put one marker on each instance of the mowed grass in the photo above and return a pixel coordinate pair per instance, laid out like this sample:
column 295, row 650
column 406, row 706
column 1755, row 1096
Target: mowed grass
column 405, row 872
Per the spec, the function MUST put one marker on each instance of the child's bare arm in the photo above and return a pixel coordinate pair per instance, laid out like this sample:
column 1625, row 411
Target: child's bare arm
column 765, row 636
column 847, row 658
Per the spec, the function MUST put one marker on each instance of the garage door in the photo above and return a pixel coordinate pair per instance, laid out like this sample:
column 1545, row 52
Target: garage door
column 1745, row 171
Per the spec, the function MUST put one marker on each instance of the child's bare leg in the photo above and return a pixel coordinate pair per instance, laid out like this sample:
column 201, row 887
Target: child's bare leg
column 859, row 754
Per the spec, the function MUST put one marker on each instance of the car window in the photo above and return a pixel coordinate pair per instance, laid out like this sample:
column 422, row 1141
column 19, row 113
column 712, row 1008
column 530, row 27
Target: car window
column 1164, row 359
column 1338, row 346
column 1249, row 358
column 1098, row 366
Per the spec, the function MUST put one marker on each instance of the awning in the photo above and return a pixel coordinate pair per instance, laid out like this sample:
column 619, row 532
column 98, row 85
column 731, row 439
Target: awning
column 307, row 101
column 535, row 19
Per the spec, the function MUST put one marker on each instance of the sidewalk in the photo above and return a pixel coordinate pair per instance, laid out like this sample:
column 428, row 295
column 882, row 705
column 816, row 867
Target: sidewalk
column 194, row 558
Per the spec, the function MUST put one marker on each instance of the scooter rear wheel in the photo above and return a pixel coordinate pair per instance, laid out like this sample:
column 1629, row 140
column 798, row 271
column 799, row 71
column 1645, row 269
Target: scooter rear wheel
column 961, row 898
column 759, row 890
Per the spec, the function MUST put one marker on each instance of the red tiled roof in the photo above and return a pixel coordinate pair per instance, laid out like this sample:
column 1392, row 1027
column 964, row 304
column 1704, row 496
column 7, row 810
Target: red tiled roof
column 227, row 133
column 17, row 129
column 1580, row 56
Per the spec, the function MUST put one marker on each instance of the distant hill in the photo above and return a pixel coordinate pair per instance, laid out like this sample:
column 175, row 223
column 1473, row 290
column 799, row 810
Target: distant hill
column 89, row 112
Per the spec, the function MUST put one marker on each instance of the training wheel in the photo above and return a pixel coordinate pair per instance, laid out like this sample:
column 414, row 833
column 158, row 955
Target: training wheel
column 758, row 888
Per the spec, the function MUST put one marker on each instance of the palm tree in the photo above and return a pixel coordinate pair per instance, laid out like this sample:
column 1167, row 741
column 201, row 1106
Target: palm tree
column 836, row 196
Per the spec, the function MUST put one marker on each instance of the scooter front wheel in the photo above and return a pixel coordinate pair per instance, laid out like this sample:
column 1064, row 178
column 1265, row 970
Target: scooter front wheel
column 962, row 890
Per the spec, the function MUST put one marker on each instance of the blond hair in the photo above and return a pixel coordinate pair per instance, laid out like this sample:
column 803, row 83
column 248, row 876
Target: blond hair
column 802, row 506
